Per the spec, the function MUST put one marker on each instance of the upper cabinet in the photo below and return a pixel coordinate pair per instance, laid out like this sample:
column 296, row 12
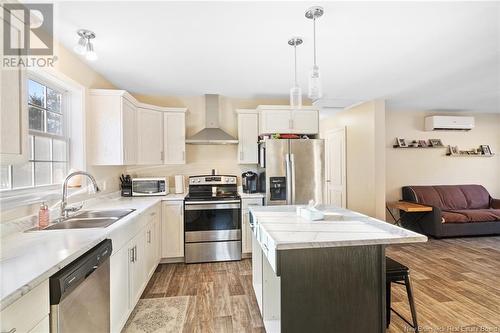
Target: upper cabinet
column 283, row 119
column 113, row 127
column 13, row 108
column 149, row 136
column 125, row 132
column 248, row 133
column 174, row 136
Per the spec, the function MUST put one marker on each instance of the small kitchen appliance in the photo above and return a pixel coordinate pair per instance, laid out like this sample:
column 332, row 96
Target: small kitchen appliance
column 249, row 182
column 149, row 186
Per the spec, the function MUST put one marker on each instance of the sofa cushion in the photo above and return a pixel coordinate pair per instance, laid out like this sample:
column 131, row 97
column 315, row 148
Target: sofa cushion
column 452, row 197
column 453, row 217
column 480, row 215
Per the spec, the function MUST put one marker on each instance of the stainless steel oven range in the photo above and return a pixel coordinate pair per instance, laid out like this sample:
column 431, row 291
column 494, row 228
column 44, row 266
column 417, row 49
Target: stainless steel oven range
column 212, row 219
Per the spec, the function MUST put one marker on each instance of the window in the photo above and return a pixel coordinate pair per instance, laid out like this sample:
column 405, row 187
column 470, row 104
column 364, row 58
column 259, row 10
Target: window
column 48, row 139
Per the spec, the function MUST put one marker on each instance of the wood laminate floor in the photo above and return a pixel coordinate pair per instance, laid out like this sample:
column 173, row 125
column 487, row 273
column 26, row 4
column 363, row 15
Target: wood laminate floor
column 456, row 283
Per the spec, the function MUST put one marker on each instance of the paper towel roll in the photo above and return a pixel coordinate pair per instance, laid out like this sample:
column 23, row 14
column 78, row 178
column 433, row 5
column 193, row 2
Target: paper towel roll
column 179, row 184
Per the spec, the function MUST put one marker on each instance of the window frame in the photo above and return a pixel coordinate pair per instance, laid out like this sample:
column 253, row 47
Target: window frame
column 32, row 133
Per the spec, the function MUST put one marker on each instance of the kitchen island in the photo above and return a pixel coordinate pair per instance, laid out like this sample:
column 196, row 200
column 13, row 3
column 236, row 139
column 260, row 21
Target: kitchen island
column 321, row 276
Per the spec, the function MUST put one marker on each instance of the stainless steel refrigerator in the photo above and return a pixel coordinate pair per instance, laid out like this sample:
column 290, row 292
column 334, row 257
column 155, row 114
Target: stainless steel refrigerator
column 294, row 171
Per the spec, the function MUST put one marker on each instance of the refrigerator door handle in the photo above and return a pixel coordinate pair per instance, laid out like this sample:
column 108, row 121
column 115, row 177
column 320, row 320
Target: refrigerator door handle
column 288, row 180
column 292, row 176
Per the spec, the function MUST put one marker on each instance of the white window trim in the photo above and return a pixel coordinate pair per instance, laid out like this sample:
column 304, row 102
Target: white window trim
column 75, row 127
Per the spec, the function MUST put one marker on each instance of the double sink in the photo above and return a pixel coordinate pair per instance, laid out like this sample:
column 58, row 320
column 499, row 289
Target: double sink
column 90, row 219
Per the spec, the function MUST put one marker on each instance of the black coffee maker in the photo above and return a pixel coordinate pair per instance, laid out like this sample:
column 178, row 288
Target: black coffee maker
column 249, row 182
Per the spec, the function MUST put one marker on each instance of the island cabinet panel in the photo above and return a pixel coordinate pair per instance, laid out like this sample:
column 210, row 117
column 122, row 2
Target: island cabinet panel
column 342, row 288
column 246, row 231
column 257, row 271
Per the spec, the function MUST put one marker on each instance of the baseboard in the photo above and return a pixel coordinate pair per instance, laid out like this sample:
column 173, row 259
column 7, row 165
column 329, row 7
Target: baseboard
column 171, row 260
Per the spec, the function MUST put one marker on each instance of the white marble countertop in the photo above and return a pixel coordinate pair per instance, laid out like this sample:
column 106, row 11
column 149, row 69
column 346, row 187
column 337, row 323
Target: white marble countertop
column 29, row 258
column 341, row 227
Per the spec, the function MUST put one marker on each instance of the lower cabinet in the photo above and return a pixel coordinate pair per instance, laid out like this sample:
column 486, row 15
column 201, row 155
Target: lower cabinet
column 246, row 232
column 172, row 229
column 29, row 313
column 132, row 266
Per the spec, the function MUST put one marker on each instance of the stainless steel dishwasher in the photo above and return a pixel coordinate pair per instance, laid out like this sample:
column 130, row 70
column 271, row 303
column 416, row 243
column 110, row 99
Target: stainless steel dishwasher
column 79, row 293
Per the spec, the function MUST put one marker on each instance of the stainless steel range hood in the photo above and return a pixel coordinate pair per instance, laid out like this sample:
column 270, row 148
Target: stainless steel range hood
column 211, row 134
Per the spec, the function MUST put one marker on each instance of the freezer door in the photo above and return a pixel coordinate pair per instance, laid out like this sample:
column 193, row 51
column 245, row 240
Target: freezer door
column 276, row 166
column 307, row 176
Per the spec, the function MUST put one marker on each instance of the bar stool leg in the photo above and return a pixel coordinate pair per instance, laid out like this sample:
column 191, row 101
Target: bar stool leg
column 388, row 304
column 411, row 301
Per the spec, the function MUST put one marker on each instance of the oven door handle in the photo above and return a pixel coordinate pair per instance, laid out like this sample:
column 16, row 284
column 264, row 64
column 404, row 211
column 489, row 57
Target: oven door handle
column 211, row 202
column 209, row 206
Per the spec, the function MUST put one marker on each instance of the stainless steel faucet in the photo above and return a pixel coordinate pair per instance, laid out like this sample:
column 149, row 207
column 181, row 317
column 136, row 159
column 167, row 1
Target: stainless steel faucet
column 65, row 211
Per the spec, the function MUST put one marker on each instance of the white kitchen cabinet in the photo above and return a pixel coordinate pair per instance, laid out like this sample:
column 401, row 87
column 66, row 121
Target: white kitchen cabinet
column 283, row 119
column 13, row 106
column 248, row 136
column 43, row 326
column 152, row 242
column 28, row 313
column 174, row 136
column 149, row 136
column 137, row 267
column 172, row 229
column 113, row 127
column 119, row 287
column 246, row 232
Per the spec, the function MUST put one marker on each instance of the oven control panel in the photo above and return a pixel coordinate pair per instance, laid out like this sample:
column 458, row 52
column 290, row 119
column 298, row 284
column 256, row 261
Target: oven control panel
column 212, row 180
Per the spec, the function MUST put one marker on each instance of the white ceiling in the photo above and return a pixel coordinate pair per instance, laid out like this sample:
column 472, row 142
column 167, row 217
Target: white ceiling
column 427, row 55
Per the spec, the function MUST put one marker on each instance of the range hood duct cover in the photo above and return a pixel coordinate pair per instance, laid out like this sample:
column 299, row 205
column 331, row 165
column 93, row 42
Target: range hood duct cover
column 211, row 134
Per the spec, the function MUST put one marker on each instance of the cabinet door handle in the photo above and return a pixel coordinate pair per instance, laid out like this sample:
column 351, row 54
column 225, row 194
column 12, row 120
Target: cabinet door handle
column 241, row 155
column 149, row 236
column 162, row 155
column 132, row 255
column 183, row 155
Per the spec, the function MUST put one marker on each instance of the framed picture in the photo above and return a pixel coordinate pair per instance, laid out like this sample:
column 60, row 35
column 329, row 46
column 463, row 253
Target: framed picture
column 454, row 150
column 436, row 142
column 486, row 150
column 422, row 143
column 401, row 143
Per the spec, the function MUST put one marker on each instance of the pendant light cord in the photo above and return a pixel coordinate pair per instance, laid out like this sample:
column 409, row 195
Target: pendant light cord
column 314, row 39
column 295, row 57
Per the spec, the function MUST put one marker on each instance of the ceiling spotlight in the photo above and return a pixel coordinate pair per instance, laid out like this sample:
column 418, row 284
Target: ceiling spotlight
column 85, row 46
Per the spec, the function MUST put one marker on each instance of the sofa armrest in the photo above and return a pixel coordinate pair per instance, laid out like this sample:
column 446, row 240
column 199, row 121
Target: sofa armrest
column 495, row 203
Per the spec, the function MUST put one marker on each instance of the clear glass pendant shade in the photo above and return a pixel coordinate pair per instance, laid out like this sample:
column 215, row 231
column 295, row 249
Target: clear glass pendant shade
column 296, row 97
column 80, row 48
column 315, row 92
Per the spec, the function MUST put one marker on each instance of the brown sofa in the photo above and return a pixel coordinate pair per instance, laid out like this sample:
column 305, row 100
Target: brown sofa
column 458, row 210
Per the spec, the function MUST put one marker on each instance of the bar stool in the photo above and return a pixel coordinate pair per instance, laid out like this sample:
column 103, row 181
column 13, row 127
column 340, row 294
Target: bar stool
column 399, row 274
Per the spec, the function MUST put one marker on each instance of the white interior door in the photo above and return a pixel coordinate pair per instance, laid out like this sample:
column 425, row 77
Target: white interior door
column 335, row 165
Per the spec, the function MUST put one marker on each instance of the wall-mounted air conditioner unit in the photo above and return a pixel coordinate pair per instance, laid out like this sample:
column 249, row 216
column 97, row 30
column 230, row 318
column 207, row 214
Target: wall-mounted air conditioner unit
column 449, row 123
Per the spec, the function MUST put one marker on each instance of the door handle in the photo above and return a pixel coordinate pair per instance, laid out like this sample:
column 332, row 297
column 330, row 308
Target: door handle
column 10, row 331
column 288, row 180
column 132, row 255
column 149, row 236
column 135, row 253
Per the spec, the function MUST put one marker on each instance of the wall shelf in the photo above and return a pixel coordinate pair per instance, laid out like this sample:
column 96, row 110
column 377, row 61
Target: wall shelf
column 469, row 155
column 396, row 146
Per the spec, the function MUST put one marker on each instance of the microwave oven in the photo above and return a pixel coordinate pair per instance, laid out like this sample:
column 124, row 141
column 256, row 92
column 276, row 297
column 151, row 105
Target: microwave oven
column 149, row 186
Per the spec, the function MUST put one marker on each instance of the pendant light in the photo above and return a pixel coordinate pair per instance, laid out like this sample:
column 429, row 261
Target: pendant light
column 295, row 91
column 315, row 91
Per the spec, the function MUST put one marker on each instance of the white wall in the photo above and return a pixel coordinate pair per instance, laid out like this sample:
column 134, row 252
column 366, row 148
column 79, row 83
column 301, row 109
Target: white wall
column 365, row 156
column 432, row 166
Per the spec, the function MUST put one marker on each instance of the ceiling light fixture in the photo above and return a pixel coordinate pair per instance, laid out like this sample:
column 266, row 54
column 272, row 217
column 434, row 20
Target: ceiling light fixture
column 85, row 46
column 295, row 91
column 315, row 91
